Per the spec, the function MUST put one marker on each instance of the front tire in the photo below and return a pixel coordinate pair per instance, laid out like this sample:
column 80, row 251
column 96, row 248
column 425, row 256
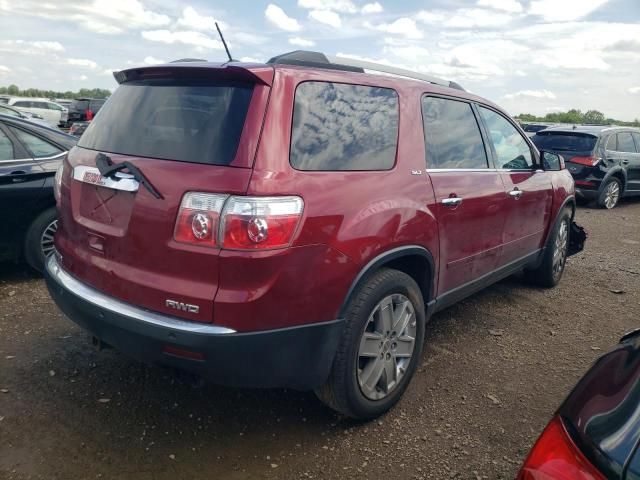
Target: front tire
column 38, row 243
column 380, row 347
column 610, row 195
column 550, row 271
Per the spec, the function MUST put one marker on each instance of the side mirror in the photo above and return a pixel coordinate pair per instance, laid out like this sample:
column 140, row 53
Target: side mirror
column 551, row 161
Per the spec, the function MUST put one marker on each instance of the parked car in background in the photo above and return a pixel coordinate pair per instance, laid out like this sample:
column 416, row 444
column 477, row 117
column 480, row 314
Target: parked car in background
column 78, row 128
column 51, row 112
column 80, row 108
column 14, row 112
column 595, row 434
column 30, row 154
column 532, row 128
column 604, row 161
column 313, row 257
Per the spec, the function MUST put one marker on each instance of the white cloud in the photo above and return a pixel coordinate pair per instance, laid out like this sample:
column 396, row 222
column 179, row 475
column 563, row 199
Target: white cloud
column 403, row 26
column 532, row 94
column 149, row 60
column 83, row 78
column 430, row 17
column 196, row 39
column 327, row 17
column 251, row 60
column 475, row 17
column 301, row 42
column 192, row 20
column 513, row 6
column 31, row 47
column 408, row 53
column 343, row 6
column 374, row 7
column 97, row 16
column 82, row 62
column 280, row 19
column 634, row 90
column 564, row 11
column 4, row 69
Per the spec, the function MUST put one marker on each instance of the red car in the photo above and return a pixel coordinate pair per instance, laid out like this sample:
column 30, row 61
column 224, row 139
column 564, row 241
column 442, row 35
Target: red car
column 296, row 223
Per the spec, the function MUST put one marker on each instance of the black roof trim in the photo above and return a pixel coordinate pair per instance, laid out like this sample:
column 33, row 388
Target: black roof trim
column 304, row 58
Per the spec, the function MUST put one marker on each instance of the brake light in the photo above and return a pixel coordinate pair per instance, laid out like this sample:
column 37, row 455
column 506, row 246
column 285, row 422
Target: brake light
column 555, row 457
column 259, row 222
column 237, row 223
column 57, row 182
column 591, row 161
column 199, row 218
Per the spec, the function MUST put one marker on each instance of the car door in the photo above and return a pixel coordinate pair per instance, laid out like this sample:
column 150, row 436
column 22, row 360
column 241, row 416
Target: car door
column 21, row 182
column 528, row 189
column 469, row 193
column 627, row 154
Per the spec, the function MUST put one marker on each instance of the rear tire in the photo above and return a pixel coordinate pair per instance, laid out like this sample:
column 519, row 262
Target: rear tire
column 39, row 239
column 610, row 194
column 380, row 347
column 550, row 270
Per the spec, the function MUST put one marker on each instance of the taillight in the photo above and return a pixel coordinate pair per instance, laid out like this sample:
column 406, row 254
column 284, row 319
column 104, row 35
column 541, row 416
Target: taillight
column 57, row 182
column 237, row 223
column 259, row 222
column 555, row 457
column 591, row 161
column 199, row 218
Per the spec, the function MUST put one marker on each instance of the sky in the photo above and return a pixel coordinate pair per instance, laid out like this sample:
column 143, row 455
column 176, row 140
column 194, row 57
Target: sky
column 529, row 56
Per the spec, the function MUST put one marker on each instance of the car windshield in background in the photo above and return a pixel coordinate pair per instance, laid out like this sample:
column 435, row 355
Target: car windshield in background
column 574, row 142
column 173, row 120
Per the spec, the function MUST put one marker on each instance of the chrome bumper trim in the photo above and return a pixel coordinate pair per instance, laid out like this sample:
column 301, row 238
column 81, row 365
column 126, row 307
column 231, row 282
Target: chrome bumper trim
column 101, row 300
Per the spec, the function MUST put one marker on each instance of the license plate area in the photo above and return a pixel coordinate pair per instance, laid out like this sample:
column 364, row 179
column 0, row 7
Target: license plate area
column 91, row 175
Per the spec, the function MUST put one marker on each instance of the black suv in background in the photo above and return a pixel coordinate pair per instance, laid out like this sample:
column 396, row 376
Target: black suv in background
column 79, row 107
column 604, row 161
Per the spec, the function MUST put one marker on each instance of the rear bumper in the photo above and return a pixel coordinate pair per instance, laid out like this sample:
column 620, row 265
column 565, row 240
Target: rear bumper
column 296, row 357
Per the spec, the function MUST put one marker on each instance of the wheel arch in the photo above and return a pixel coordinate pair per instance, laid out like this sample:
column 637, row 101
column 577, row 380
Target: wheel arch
column 621, row 175
column 414, row 260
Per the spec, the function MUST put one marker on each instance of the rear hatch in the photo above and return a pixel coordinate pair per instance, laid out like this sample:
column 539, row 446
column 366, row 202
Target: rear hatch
column 185, row 130
column 571, row 145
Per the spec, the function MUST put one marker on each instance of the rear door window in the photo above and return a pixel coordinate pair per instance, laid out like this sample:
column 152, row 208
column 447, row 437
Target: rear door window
column 188, row 121
column 6, row 147
column 636, row 138
column 452, row 135
column 23, row 104
column 612, row 143
column 512, row 151
column 337, row 126
column 625, row 143
column 38, row 147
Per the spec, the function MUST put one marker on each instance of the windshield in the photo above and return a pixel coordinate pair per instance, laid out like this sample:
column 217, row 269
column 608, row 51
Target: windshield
column 562, row 141
column 183, row 120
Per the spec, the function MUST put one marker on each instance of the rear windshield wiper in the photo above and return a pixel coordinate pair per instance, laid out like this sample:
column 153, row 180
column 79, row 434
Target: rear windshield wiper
column 108, row 169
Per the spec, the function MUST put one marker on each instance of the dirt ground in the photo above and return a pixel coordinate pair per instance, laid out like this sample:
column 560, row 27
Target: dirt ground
column 494, row 369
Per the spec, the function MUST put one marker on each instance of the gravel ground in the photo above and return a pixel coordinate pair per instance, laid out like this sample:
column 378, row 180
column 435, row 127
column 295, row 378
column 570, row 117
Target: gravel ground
column 494, row 369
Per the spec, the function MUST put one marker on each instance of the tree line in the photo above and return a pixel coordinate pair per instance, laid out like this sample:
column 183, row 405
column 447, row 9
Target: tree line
column 577, row 117
column 15, row 91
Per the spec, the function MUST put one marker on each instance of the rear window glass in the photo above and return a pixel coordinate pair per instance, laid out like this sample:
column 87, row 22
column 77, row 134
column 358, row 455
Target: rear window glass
column 564, row 141
column 172, row 119
column 79, row 105
column 344, row 127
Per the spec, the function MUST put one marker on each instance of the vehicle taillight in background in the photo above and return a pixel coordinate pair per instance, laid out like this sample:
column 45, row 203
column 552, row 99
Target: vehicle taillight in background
column 238, row 223
column 57, row 182
column 591, row 161
column 556, row 457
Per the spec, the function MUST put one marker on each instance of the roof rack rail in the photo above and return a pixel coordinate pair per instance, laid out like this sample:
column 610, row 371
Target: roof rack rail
column 306, row 58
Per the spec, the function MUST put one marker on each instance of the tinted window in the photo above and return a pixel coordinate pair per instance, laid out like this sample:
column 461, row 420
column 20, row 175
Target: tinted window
column 451, row 134
column 183, row 120
column 561, row 141
column 625, row 143
column 79, row 105
column 37, row 146
column 95, row 105
column 53, row 106
column 636, row 137
column 344, row 127
column 612, row 143
column 512, row 151
column 6, row 147
column 22, row 103
column 8, row 111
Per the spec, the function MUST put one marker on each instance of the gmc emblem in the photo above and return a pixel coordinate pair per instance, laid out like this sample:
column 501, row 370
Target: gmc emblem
column 185, row 307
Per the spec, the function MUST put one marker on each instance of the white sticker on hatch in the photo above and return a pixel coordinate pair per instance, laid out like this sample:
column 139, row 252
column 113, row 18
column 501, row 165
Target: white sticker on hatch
column 124, row 181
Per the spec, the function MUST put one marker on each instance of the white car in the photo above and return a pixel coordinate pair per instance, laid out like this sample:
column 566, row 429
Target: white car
column 53, row 113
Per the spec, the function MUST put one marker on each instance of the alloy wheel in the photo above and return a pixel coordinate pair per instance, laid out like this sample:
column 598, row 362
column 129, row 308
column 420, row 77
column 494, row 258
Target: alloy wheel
column 46, row 239
column 560, row 249
column 612, row 194
column 386, row 347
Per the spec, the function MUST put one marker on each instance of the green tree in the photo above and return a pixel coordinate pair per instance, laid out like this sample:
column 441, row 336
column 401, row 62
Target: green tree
column 594, row 116
column 13, row 90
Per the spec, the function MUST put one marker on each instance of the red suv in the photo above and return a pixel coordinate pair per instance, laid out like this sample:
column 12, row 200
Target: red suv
column 296, row 223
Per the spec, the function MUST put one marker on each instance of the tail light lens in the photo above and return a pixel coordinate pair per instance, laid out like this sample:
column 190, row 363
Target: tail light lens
column 199, row 218
column 260, row 222
column 57, row 182
column 238, row 223
column 555, row 457
column 588, row 161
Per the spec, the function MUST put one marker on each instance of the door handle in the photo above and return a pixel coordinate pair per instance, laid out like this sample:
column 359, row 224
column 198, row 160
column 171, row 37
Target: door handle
column 17, row 176
column 516, row 193
column 451, row 201
column 625, row 162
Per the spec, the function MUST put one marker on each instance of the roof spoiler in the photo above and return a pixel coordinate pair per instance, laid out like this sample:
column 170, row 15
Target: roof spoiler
column 186, row 68
column 306, row 58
